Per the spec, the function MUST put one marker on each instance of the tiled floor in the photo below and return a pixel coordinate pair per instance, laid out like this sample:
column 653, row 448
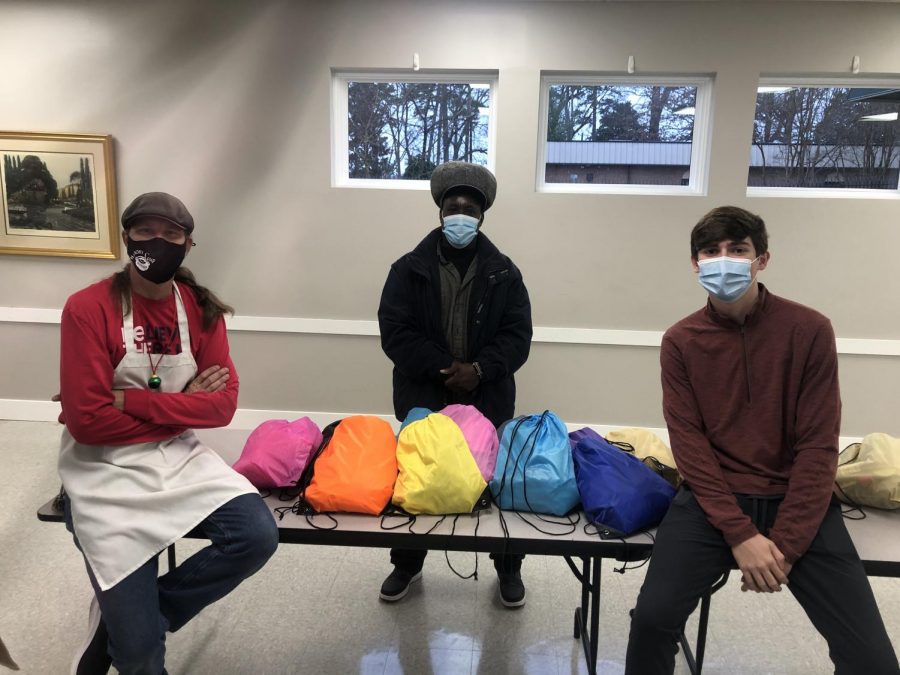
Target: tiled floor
column 316, row 609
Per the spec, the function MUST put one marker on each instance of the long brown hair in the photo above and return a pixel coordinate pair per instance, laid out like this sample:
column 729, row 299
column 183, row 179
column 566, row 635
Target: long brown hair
column 212, row 307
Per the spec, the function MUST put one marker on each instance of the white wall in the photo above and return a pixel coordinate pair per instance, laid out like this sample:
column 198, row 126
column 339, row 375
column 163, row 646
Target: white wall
column 227, row 104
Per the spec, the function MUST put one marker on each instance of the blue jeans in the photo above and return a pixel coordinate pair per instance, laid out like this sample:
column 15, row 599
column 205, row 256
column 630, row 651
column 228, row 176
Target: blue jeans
column 141, row 608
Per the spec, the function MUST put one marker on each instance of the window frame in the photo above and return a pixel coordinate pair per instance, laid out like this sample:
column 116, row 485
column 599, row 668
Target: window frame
column 807, row 82
column 340, row 79
column 698, row 182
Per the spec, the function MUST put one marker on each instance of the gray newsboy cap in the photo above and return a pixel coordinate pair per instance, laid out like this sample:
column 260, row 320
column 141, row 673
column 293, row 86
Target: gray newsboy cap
column 159, row 205
column 463, row 174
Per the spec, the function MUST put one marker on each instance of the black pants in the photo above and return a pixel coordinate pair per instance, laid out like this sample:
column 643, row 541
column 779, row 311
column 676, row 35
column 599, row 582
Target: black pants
column 411, row 560
column 829, row 582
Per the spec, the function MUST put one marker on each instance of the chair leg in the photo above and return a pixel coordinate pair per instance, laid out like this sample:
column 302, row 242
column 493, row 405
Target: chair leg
column 686, row 647
column 695, row 658
column 701, row 630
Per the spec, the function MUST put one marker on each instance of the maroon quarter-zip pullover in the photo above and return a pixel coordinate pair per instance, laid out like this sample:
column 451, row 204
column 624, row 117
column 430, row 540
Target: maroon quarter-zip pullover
column 755, row 409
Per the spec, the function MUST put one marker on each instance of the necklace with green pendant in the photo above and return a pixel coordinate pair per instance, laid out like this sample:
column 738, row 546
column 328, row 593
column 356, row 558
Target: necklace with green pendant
column 154, row 381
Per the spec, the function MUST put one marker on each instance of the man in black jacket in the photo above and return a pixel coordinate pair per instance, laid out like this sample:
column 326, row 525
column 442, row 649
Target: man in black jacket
column 455, row 320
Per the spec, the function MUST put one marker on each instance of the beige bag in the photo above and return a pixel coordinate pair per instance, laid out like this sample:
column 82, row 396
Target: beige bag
column 650, row 449
column 868, row 473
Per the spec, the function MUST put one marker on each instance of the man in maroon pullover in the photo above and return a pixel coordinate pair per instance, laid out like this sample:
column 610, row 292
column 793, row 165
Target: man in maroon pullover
column 751, row 400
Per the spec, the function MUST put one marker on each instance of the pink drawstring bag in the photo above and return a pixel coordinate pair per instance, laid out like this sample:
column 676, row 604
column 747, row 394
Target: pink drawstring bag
column 480, row 435
column 277, row 451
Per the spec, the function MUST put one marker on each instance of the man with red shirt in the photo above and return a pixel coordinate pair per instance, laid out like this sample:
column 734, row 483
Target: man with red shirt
column 751, row 400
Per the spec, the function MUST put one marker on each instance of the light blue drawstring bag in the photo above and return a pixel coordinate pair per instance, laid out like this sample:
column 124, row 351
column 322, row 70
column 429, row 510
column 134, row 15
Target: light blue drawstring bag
column 414, row 415
column 534, row 469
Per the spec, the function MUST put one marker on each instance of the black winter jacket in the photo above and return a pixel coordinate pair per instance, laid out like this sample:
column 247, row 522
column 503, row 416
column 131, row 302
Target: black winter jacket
column 409, row 318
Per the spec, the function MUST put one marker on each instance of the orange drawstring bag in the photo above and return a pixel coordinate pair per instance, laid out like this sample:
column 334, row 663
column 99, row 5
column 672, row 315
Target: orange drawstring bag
column 355, row 468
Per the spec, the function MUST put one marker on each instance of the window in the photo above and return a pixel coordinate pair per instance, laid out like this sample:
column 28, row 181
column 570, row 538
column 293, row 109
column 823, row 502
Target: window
column 624, row 134
column 824, row 139
column 392, row 130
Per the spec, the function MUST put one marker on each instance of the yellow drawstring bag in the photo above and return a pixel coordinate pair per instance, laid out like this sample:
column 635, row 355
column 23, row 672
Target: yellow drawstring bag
column 437, row 473
column 868, row 473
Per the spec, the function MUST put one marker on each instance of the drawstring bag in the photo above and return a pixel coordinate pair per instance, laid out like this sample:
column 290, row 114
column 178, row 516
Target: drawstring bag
column 643, row 444
column 650, row 449
column 480, row 435
column 534, row 469
column 868, row 473
column 437, row 474
column 354, row 469
column 619, row 494
column 581, row 434
column 277, row 451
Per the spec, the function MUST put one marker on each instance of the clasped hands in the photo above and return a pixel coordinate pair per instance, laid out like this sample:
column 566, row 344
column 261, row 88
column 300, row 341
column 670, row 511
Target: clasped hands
column 762, row 565
column 461, row 377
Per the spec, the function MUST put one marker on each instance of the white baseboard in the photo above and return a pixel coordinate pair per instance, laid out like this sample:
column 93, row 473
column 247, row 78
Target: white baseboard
column 244, row 418
column 247, row 418
column 28, row 411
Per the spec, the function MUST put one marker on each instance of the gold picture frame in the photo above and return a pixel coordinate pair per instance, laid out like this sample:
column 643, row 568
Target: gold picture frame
column 58, row 195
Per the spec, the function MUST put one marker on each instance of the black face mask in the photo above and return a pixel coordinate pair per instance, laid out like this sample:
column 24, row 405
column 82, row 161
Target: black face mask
column 156, row 260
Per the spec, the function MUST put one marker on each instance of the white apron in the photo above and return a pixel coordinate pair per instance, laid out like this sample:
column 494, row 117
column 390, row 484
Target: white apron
column 129, row 502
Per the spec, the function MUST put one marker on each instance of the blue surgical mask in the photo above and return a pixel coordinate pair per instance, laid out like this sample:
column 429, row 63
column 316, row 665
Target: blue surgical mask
column 460, row 229
column 726, row 278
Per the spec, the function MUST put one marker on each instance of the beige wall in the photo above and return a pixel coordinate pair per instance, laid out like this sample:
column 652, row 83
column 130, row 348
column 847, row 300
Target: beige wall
column 227, row 104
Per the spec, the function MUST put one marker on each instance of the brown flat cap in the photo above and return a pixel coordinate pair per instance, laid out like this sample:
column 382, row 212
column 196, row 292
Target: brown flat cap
column 158, row 205
column 463, row 174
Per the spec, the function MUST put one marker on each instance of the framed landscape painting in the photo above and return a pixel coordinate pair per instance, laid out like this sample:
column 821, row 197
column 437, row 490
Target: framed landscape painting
column 58, row 195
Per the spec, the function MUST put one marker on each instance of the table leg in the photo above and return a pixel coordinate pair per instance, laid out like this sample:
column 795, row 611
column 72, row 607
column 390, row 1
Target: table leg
column 590, row 586
column 595, row 616
column 585, row 590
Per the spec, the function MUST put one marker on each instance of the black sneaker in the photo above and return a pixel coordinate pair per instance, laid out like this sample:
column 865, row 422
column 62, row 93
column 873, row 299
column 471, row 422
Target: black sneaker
column 396, row 586
column 512, row 590
column 93, row 657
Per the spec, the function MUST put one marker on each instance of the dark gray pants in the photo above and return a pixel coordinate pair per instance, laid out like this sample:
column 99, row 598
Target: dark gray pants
column 411, row 560
column 829, row 582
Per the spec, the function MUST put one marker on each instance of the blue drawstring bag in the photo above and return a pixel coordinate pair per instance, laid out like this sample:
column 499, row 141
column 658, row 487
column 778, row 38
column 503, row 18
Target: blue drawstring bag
column 534, row 469
column 619, row 494
column 581, row 434
column 414, row 415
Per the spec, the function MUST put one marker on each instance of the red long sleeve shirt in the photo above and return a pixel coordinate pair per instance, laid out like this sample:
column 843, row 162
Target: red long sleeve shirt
column 755, row 409
column 92, row 344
